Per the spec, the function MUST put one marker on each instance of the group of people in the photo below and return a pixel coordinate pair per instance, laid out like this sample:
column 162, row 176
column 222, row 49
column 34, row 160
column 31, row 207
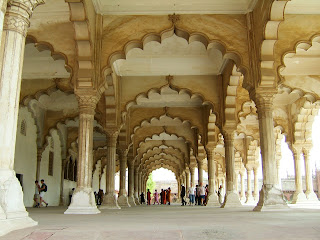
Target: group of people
column 197, row 195
column 163, row 198
column 39, row 194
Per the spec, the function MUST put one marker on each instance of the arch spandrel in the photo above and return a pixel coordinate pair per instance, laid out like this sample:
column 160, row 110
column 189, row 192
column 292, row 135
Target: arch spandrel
column 167, row 151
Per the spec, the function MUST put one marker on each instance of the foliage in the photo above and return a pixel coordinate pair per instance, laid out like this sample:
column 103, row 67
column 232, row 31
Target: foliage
column 150, row 183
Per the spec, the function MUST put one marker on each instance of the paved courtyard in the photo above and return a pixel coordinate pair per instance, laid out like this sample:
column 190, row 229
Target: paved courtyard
column 172, row 222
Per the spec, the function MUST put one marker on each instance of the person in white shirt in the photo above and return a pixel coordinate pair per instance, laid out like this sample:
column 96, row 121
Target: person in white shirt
column 191, row 194
column 202, row 193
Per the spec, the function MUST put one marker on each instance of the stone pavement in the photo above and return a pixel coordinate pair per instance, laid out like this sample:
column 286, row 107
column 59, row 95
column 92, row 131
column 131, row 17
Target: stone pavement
column 171, row 223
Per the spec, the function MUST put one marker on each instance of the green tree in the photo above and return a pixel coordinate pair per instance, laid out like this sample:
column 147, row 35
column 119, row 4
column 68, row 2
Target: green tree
column 150, row 183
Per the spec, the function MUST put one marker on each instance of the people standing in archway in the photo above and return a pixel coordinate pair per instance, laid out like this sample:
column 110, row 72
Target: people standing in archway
column 169, row 196
column 36, row 194
column 149, row 197
column 43, row 189
column 182, row 195
column 156, row 197
column 161, row 196
column 191, row 191
column 196, row 195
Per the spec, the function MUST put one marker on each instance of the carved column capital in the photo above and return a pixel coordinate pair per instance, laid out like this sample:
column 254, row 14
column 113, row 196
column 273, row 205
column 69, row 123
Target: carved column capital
column 263, row 99
column 87, row 103
column 112, row 136
column 18, row 15
column 228, row 135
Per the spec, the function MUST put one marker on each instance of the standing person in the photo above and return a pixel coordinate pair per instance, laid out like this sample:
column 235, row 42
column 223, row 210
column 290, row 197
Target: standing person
column 202, row 194
column 43, row 189
column 70, row 195
column 182, row 195
column 156, row 197
column 142, row 198
column 161, row 196
column 169, row 196
column 206, row 196
column 220, row 194
column 36, row 194
column 196, row 195
column 191, row 191
column 164, row 197
column 148, row 197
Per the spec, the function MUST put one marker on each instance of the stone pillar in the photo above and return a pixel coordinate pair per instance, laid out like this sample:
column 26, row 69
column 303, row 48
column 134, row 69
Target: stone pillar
column 212, row 195
column 39, row 157
column 243, row 192
column 136, row 186
column 192, row 176
column 232, row 197
column 63, row 164
column 200, row 172
column 187, row 180
column 298, row 196
column 3, row 8
column 278, row 173
column 83, row 199
column 131, row 183
column 250, row 198
column 13, row 214
column 256, row 185
column 139, row 184
column 123, row 198
column 270, row 195
column 310, row 194
column 110, row 199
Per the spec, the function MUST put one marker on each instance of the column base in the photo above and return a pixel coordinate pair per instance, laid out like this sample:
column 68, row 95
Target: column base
column 250, row 200
column 12, row 224
column 82, row 202
column 242, row 199
column 271, row 198
column 61, row 202
column 312, row 197
column 299, row 198
column 256, row 197
column 109, row 202
column 123, row 201
column 213, row 201
column 136, row 200
column 231, row 200
column 131, row 201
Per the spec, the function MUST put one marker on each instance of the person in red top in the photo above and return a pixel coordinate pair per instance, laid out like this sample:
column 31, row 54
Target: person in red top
column 169, row 196
column 164, row 197
column 149, row 197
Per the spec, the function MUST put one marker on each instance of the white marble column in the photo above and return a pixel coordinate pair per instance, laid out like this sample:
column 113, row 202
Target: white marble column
column 136, row 186
column 110, row 199
column 139, row 184
column 256, row 185
column 13, row 214
column 271, row 196
column 310, row 194
column 200, row 172
column 3, row 8
column 83, row 199
column 212, row 195
column 243, row 194
column 298, row 196
column 250, row 199
column 123, row 198
column 63, row 164
column 131, row 183
column 232, row 197
column 187, row 179
column 39, row 157
column 192, row 169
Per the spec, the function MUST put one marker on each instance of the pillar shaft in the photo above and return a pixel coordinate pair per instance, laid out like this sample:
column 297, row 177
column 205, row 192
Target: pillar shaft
column 200, row 172
column 136, row 186
column 212, row 195
column 39, row 157
column 110, row 199
column 123, row 163
column 131, row 183
column 83, row 200
column 298, row 196
column 242, row 196
column 232, row 197
column 249, row 186
column 256, row 185
column 192, row 176
column 187, row 180
column 14, row 24
column 310, row 194
column 63, row 164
